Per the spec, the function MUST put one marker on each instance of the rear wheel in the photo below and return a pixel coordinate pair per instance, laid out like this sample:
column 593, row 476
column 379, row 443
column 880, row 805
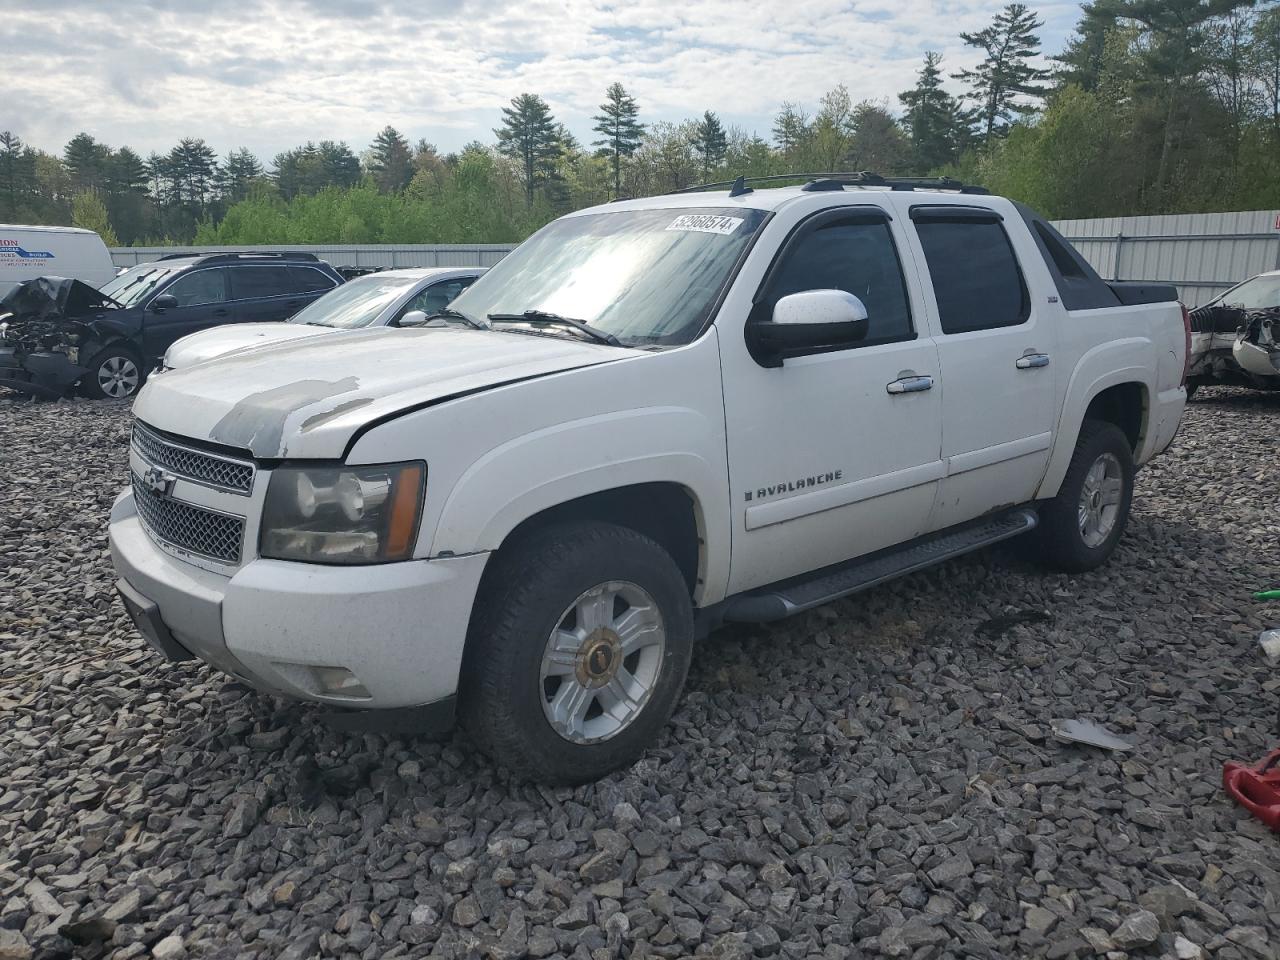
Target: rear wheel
column 1080, row 527
column 114, row 374
column 577, row 652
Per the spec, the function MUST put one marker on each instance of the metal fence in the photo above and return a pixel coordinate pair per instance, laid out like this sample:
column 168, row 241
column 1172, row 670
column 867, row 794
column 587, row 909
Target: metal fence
column 347, row 255
column 1201, row 254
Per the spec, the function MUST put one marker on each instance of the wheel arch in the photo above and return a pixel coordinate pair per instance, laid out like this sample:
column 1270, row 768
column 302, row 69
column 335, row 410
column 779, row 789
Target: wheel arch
column 1122, row 397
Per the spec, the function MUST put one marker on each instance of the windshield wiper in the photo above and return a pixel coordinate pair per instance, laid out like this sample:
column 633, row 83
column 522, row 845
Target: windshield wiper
column 447, row 314
column 540, row 318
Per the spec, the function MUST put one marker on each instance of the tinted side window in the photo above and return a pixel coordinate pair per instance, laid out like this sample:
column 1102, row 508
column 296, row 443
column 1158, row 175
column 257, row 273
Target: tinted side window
column 855, row 256
column 199, row 287
column 251, row 283
column 307, row 280
column 976, row 277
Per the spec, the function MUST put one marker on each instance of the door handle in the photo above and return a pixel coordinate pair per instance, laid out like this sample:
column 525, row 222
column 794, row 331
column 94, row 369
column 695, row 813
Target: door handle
column 1032, row 360
column 910, row 385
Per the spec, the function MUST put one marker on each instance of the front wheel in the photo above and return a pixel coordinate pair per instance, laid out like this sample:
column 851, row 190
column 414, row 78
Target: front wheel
column 1080, row 527
column 577, row 652
column 115, row 373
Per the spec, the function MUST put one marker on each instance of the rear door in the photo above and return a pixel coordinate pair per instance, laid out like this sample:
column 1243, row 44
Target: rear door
column 202, row 297
column 265, row 292
column 995, row 343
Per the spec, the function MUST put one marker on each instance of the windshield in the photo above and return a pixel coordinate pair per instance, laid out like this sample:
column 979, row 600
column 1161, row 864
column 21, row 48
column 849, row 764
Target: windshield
column 645, row 276
column 357, row 303
column 132, row 286
column 1260, row 293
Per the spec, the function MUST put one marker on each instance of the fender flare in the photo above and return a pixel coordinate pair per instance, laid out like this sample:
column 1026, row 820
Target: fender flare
column 533, row 473
column 1081, row 391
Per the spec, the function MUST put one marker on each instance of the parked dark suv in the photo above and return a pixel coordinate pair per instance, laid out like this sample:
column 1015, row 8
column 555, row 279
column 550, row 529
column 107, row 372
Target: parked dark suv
column 183, row 293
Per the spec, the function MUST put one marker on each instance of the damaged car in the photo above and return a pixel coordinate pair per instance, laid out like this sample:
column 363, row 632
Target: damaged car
column 47, row 326
column 107, row 342
column 1236, row 338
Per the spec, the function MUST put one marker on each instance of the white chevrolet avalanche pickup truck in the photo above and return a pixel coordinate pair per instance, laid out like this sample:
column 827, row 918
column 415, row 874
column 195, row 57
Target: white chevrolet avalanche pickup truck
column 651, row 418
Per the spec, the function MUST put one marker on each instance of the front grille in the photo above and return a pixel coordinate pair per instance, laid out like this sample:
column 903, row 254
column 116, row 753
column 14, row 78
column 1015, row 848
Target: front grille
column 207, row 468
column 217, row 536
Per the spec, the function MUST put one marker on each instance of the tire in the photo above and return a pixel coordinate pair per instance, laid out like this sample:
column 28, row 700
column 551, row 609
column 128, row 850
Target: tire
column 572, row 585
column 1191, row 389
column 1072, row 538
column 115, row 373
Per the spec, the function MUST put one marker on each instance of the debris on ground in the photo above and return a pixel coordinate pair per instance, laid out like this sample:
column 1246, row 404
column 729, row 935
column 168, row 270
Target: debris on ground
column 1088, row 732
column 1256, row 788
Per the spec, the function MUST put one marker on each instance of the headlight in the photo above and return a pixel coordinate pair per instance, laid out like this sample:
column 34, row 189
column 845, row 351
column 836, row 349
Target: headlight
column 343, row 514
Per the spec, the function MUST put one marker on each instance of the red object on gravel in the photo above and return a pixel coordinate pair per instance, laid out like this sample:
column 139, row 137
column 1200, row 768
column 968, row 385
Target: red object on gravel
column 1257, row 789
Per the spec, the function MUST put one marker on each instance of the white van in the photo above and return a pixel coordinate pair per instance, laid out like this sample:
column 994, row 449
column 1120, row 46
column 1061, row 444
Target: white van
column 29, row 252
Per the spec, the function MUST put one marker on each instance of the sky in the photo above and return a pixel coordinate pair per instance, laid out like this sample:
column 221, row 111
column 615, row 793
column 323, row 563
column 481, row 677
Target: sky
column 270, row 75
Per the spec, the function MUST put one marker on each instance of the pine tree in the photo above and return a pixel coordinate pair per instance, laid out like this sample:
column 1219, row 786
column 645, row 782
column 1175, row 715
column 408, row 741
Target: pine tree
column 192, row 166
column 391, row 160
column 237, row 175
column 933, row 119
column 710, row 143
column 790, row 129
column 528, row 135
column 1175, row 52
column 17, row 172
column 1006, row 73
column 619, row 129
column 85, row 158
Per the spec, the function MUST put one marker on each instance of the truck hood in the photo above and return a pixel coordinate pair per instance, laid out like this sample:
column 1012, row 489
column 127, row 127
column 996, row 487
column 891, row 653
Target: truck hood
column 234, row 337
column 307, row 399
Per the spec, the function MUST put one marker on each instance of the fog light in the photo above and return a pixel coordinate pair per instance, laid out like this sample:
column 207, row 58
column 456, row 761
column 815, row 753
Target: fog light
column 340, row 682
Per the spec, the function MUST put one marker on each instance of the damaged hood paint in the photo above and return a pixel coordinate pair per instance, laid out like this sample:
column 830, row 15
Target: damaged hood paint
column 305, row 400
column 233, row 338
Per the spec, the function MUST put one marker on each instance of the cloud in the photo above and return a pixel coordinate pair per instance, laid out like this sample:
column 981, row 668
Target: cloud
column 268, row 74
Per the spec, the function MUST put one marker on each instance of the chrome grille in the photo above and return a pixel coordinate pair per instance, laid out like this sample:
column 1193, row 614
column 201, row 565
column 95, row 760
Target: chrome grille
column 217, row 536
column 206, row 468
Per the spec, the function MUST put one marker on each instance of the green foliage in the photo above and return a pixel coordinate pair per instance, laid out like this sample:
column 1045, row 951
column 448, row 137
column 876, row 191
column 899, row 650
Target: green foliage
column 619, row 128
column 935, row 122
column 391, row 160
column 88, row 211
column 710, row 143
column 530, row 136
column 1002, row 82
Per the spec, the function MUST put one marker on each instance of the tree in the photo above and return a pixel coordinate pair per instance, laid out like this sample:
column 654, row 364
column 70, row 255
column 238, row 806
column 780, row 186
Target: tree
column 85, row 158
column 831, row 134
column 877, row 143
column 124, row 191
column 1264, row 58
column 790, row 129
column 1006, row 73
column 619, row 128
column 710, row 143
column 17, row 173
column 88, row 211
column 529, row 136
column 313, row 167
column 238, row 175
column 1174, row 53
column 934, row 120
column 391, row 160
column 192, row 165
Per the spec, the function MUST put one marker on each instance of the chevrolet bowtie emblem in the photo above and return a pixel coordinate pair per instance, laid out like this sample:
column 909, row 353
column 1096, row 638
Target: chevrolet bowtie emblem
column 158, row 482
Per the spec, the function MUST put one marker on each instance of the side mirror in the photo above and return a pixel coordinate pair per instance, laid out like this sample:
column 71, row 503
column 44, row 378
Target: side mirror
column 414, row 318
column 807, row 321
column 166, row 301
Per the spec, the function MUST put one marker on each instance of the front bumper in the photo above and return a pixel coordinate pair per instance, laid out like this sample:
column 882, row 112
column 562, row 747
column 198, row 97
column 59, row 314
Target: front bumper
column 399, row 628
column 42, row 374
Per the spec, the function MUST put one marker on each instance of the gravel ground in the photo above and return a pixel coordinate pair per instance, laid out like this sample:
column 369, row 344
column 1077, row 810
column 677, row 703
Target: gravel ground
column 876, row 778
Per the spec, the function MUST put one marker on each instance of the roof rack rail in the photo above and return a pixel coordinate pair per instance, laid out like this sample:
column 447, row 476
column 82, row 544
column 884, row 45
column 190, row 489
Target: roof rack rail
column 223, row 256
column 838, row 181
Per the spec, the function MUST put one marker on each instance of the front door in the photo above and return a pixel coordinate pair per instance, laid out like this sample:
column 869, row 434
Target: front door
column 202, row 303
column 999, row 394
column 830, row 455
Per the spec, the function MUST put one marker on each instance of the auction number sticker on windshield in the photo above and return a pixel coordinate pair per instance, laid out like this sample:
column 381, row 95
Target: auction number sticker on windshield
column 706, row 223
